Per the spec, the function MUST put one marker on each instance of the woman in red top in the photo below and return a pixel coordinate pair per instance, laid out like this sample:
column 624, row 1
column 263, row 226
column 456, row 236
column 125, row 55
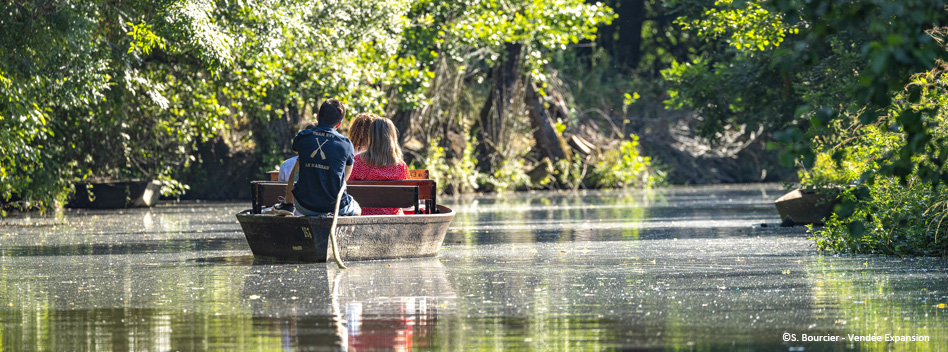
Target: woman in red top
column 381, row 161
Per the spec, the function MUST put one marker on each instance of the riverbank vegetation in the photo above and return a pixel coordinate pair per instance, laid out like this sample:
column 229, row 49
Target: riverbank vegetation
column 494, row 96
column 206, row 96
column 856, row 94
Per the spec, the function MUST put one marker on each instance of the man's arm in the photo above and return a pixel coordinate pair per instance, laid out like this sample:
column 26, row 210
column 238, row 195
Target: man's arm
column 288, row 198
column 347, row 173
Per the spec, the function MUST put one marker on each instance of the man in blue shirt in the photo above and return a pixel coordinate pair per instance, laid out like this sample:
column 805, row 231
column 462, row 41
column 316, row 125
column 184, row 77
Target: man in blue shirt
column 324, row 163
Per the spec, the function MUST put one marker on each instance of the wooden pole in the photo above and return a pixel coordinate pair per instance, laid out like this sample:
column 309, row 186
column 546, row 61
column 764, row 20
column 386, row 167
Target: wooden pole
column 332, row 229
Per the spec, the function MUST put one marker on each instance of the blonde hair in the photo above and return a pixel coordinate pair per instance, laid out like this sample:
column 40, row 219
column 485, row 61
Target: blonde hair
column 383, row 147
column 359, row 130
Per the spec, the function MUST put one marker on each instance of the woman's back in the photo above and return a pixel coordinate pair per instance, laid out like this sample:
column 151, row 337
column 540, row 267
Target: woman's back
column 365, row 172
column 382, row 161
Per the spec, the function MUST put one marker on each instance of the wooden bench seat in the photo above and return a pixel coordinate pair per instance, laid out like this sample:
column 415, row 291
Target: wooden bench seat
column 412, row 175
column 427, row 190
column 375, row 194
column 387, row 196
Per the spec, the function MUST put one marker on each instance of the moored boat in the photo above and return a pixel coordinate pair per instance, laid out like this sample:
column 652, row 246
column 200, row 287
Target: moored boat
column 807, row 207
column 116, row 194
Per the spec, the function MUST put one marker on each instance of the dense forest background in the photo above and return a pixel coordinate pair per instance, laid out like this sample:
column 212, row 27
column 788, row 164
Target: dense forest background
column 493, row 95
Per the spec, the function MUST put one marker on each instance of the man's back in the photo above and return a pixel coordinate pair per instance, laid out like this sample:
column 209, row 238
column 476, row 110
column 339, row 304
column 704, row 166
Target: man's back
column 323, row 157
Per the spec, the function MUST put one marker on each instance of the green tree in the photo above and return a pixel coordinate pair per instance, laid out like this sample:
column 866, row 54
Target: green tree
column 830, row 57
column 128, row 89
column 860, row 104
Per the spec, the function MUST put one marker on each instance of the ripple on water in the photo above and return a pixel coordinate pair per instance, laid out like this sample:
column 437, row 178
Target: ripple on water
column 679, row 268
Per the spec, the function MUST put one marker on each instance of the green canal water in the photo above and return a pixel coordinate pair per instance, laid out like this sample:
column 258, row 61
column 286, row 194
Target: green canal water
column 701, row 269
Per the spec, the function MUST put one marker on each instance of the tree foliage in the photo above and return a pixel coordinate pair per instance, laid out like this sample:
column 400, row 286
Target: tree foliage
column 830, row 57
column 880, row 214
column 129, row 89
column 862, row 105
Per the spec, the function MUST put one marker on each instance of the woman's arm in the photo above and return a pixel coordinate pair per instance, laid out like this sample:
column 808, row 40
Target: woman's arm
column 288, row 197
column 354, row 172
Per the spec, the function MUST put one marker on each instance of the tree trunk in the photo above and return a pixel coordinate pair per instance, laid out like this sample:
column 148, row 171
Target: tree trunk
column 623, row 38
column 492, row 123
column 285, row 128
column 453, row 142
column 548, row 139
column 485, row 149
column 402, row 121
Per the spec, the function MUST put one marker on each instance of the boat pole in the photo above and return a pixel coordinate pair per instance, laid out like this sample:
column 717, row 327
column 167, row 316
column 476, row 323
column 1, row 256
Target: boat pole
column 332, row 229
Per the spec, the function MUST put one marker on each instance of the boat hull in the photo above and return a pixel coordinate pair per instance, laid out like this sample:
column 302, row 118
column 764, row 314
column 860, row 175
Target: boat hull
column 373, row 237
column 116, row 194
column 807, row 207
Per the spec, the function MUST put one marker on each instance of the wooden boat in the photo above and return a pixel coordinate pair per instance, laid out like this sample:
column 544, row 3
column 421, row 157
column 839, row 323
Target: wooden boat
column 116, row 194
column 807, row 207
column 306, row 239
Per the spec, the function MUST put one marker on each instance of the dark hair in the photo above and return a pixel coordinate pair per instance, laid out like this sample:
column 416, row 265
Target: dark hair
column 359, row 130
column 331, row 113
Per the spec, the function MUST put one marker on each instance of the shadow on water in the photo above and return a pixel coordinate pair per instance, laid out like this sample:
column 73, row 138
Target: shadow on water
column 673, row 269
column 238, row 260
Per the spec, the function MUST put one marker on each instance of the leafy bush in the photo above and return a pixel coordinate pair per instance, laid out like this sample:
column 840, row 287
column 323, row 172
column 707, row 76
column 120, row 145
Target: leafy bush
column 570, row 172
column 844, row 158
column 460, row 177
column 888, row 217
column 509, row 175
column 625, row 166
column 885, row 213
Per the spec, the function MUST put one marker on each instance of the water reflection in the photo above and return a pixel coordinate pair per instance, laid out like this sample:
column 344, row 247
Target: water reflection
column 674, row 269
column 392, row 305
column 392, row 309
column 875, row 296
column 613, row 215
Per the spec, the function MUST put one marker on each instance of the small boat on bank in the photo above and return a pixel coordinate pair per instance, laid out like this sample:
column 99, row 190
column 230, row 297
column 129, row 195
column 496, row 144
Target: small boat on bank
column 807, row 207
column 369, row 237
column 116, row 194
